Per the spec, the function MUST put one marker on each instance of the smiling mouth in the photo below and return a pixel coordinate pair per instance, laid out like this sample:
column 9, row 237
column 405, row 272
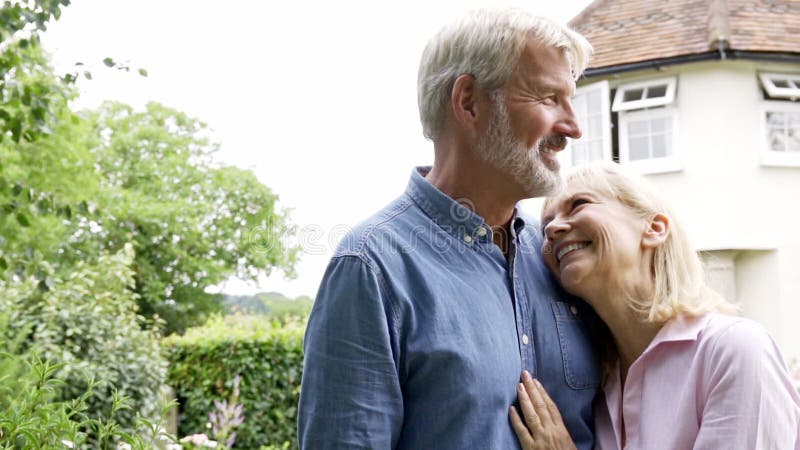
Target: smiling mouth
column 552, row 144
column 571, row 248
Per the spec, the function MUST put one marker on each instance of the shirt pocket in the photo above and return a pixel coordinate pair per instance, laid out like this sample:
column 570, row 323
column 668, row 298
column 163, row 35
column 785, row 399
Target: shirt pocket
column 581, row 369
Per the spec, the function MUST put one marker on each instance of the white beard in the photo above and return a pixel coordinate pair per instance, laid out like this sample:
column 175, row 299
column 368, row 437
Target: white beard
column 503, row 151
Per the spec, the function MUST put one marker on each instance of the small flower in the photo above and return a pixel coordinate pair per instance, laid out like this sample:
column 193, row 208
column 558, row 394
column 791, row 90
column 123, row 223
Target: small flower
column 198, row 439
column 67, row 443
column 124, row 446
column 174, row 446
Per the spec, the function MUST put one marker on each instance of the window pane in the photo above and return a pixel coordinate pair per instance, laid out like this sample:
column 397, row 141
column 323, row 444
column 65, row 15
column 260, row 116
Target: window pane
column 638, row 147
column 793, row 143
column 638, row 128
column 593, row 100
column 793, row 120
column 595, row 128
column 793, row 137
column 659, row 125
column 632, row 95
column 597, row 150
column 659, row 145
column 780, row 83
column 657, row 91
column 776, row 120
column 579, row 105
column 776, row 141
column 578, row 153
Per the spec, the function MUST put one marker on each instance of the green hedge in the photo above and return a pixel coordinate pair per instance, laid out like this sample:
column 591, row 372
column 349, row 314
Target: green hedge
column 267, row 355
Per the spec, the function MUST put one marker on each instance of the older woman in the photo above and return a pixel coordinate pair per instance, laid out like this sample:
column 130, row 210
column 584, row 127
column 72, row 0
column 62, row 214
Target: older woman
column 680, row 371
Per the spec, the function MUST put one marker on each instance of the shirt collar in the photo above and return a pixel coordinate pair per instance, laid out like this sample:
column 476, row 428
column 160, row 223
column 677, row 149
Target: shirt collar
column 451, row 215
column 680, row 328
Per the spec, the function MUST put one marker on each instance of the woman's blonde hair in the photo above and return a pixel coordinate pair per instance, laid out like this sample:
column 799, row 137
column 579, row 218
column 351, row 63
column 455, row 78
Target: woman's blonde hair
column 679, row 283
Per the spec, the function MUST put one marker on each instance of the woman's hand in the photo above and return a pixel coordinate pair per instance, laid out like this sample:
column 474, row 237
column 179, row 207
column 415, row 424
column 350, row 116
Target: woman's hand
column 543, row 428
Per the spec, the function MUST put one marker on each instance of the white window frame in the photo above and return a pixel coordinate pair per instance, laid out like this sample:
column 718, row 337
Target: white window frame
column 602, row 86
column 670, row 163
column 768, row 156
column 621, row 105
column 768, row 82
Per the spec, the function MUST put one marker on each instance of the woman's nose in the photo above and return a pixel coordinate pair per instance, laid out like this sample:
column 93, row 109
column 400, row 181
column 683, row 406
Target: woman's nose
column 554, row 228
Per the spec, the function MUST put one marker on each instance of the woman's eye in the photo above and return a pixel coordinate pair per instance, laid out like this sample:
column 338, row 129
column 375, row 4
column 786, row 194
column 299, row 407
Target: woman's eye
column 578, row 202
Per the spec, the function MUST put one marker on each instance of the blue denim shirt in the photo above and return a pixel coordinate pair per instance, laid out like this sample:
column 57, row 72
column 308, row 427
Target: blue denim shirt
column 421, row 328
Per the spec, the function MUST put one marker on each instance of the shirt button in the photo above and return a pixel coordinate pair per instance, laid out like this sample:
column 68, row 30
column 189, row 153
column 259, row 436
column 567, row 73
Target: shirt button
column 481, row 231
column 467, row 239
column 525, row 339
column 573, row 310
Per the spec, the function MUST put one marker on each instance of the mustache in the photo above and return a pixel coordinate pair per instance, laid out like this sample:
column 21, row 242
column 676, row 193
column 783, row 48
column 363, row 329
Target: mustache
column 554, row 141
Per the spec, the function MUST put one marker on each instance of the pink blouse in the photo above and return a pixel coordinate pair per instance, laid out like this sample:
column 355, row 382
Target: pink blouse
column 714, row 382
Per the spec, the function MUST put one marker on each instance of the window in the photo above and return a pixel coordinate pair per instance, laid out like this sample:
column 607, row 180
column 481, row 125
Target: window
column 783, row 86
column 781, row 121
column 591, row 105
column 645, row 95
column 780, row 116
column 648, row 125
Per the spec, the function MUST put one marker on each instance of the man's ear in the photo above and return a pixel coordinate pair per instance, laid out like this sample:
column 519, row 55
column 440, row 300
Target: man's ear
column 656, row 232
column 466, row 101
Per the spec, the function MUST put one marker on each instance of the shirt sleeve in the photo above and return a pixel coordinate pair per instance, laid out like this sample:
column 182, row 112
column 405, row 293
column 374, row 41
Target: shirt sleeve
column 750, row 399
column 350, row 393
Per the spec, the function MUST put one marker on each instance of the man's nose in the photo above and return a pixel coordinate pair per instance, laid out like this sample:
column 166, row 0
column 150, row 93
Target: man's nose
column 568, row 125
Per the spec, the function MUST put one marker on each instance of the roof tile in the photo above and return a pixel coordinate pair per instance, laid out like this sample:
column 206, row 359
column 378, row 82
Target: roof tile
column 628, row 31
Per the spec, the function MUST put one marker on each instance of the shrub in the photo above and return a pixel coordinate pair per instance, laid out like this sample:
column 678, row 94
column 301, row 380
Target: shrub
column 32, row 417
column 267, row 356
column 87, row 324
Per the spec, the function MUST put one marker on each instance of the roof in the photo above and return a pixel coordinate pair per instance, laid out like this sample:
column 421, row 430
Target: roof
column 632, row 31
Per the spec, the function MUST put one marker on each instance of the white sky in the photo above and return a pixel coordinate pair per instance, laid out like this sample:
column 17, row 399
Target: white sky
column 318, row 98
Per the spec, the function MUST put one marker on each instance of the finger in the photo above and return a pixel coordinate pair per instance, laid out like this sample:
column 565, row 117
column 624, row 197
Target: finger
column 537, row 401
column 528, row 411
column 555, row 415
column 523, row 433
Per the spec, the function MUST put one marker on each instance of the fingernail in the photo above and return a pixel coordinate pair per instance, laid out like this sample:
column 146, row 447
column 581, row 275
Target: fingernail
column 520, row 387
column 526, row 376
column 537, row 382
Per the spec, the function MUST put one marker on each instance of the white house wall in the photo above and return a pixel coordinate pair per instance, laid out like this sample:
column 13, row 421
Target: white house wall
column 726, row 198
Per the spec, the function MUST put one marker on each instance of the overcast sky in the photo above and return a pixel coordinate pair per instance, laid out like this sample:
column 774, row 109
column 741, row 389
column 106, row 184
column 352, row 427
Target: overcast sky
column 318, row 98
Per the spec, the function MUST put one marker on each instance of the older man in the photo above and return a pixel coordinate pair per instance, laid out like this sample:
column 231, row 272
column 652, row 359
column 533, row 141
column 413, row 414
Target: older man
column 429, row 310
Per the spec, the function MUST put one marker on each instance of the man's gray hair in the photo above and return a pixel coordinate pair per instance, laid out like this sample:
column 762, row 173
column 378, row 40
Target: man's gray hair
column 486, row 44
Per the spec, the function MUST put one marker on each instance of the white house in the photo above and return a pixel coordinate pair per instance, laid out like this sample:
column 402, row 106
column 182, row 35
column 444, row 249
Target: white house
column 703, row 96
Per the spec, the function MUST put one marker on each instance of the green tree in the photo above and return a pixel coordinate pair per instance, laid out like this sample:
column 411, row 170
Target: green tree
column 193, row 222
column 73, row 185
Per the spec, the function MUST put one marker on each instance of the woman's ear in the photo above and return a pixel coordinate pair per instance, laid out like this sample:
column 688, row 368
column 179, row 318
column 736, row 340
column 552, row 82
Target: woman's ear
column 656, row 232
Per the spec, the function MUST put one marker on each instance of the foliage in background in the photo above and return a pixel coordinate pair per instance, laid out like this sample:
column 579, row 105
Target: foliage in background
column 268, row 357
column 34, row 415
column 106, row 216
column 274, row 305
column 86, row 323
column 193, row 222
column 73, row 185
